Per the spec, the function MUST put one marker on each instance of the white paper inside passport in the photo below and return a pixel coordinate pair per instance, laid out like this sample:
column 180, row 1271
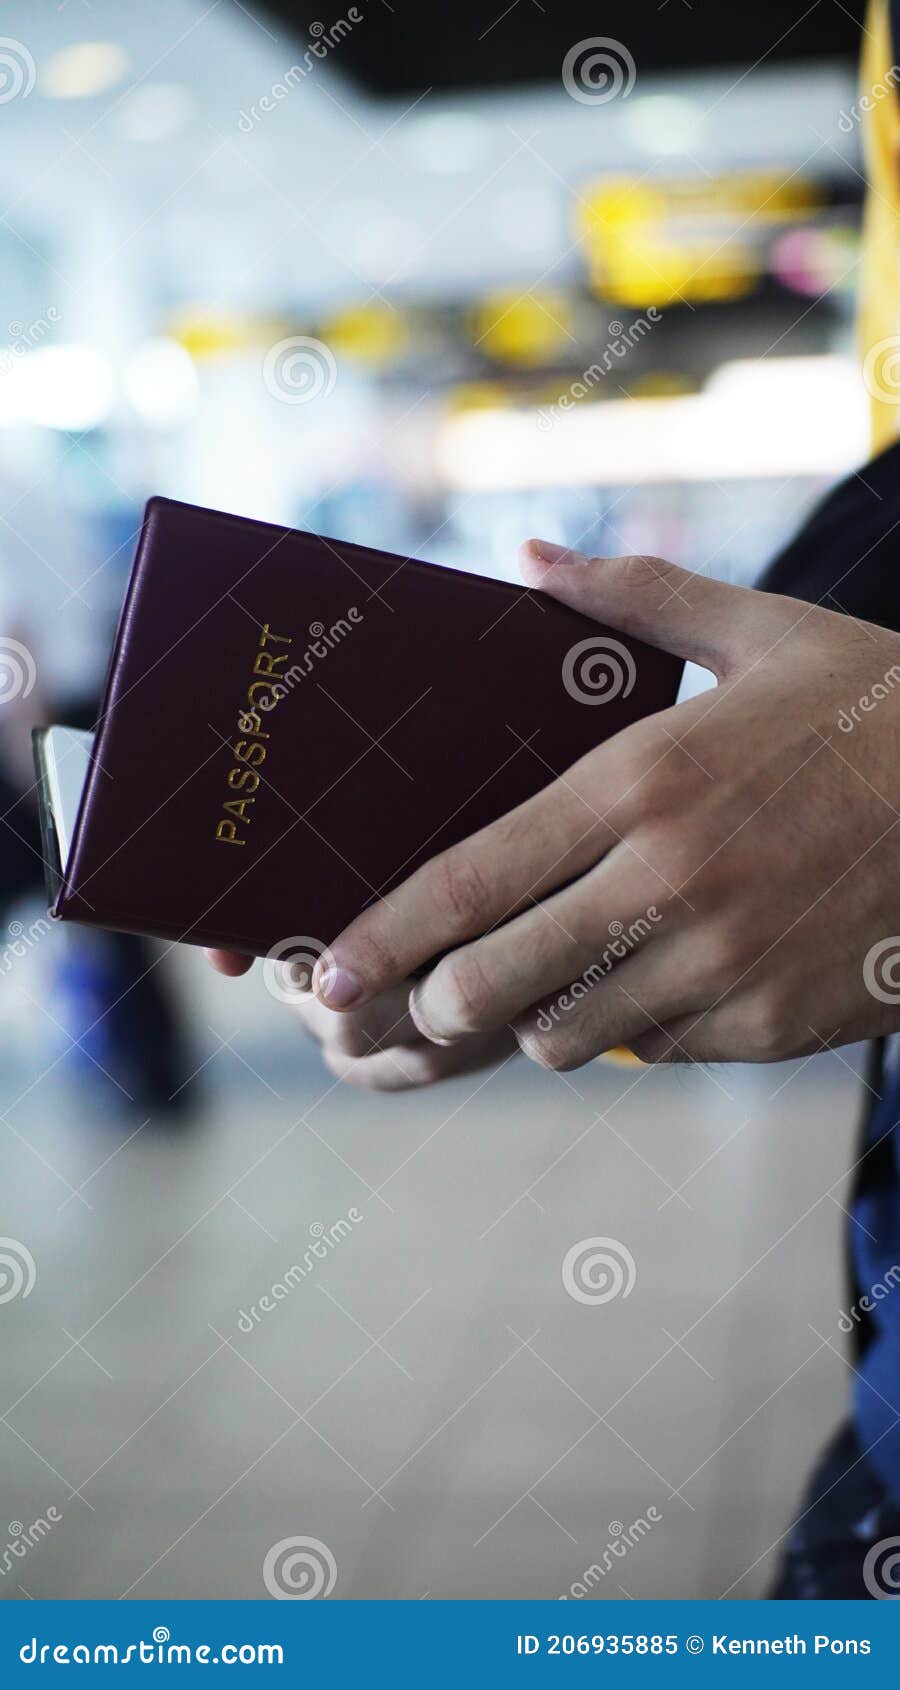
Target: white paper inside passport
column 67, row 754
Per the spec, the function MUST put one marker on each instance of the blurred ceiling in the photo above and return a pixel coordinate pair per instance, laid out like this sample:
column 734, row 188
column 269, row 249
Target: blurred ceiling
column 410, row 45
column 204, row 150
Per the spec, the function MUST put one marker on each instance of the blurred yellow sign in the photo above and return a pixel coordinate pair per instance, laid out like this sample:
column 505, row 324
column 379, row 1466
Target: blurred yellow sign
column 208, row 333
column 525, row 329
column 374, row 335
column 690, row 240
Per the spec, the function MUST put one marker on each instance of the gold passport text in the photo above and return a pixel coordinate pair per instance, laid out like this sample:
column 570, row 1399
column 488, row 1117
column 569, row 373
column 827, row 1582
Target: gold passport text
column 250, row 746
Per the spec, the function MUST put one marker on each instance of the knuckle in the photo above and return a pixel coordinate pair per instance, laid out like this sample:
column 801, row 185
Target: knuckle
column 675, row 852
column 766, row 1027
column 378, row 959
column 551, row 1051
column 349, row 1037
column 655, row 1046
column 459, row 889
column 653, row 784
column 417, row 1068
column 640, row 572
column 723, row 957
column 362, row 1075
column 465, row 991
column 668, row 902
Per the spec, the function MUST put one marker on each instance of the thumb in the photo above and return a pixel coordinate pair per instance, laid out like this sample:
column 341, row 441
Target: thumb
column 708, row 621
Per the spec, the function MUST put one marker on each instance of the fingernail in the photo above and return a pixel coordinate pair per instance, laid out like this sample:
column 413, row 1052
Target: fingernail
column 337, row 987
column 531, row 1047
column 420, row 1020
column 551, row 554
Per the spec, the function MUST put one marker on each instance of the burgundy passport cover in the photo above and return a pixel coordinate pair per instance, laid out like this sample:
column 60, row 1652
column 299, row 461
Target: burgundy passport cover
column 292, row 725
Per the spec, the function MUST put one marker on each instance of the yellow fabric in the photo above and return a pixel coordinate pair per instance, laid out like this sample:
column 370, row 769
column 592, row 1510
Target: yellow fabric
column 621, row 1057
column 880, row 287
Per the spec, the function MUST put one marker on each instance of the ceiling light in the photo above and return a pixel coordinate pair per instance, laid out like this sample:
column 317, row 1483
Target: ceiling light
column 65, row 387
column 763, row 418
column 86, row 68
column 161, row 382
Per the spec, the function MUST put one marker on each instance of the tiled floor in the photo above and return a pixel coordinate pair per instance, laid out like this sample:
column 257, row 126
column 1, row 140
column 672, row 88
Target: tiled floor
column 427, row 1400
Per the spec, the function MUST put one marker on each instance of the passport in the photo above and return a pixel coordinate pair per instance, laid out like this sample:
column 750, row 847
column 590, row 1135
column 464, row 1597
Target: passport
column 291, row 725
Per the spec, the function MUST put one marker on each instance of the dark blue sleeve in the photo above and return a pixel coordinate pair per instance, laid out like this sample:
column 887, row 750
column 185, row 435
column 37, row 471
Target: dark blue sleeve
column 847, row 555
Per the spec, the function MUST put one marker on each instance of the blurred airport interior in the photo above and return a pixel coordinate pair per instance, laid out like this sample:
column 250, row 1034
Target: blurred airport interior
column 256, row 258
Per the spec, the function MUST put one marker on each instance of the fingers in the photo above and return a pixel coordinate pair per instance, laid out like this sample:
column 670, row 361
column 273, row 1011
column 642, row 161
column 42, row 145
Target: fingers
column 695, row 617
column 578, row 935
column 406, row 1067
column 468, row 889
column 379, row 1049
column 229, row 962
column 633, row 1000
column 741, row 1029
column 686, row 1038
column 359, row 1034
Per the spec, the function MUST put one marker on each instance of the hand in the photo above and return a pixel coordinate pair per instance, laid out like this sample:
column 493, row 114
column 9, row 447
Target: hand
column 378, row 1047
column 711, row 884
